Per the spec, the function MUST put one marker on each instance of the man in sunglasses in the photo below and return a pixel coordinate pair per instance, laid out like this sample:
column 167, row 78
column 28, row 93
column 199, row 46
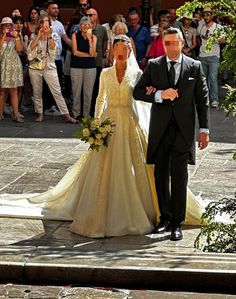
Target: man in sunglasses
column 210, row 59
column 176, row 86
column 83, row 6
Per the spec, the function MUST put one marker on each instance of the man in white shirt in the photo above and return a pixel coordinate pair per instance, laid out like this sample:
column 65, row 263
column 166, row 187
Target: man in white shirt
column 59, row 33
column 210, row 59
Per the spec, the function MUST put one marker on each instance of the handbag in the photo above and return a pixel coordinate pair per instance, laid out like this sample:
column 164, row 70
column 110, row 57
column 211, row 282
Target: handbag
column 37, row 64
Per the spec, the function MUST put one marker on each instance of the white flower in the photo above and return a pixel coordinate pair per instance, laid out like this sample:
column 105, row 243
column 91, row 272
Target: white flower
column 104, row 134
column 98, row 141
column 96, row 123
column 86, row 132
column 91, row 140
column 98, row 136
column 102, row 130
column 108, row 128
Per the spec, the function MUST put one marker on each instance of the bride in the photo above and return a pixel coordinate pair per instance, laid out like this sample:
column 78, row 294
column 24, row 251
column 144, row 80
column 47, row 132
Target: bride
column 112, row 192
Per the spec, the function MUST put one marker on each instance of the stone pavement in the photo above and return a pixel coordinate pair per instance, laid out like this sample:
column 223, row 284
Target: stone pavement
column 40, row 251
column 71, row 292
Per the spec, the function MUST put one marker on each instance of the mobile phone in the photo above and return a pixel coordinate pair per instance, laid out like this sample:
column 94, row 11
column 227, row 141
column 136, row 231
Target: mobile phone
column 8, row 34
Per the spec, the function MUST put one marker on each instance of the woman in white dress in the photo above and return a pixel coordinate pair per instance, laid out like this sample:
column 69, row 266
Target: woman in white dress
column 112, row 192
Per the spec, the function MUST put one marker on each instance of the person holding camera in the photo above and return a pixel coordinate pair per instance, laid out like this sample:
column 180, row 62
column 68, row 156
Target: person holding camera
column 11, row 73
column 41, row 54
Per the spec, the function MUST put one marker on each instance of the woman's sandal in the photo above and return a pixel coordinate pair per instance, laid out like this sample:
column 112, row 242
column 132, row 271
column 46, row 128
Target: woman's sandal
column 40, row 118
column 71, row 120
column 18, row 119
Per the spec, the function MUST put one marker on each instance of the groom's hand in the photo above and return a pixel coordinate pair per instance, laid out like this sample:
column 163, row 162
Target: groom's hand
column 203, row 140
column 170, row 94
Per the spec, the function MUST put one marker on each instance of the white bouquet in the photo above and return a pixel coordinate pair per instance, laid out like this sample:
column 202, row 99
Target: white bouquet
column 95, row 131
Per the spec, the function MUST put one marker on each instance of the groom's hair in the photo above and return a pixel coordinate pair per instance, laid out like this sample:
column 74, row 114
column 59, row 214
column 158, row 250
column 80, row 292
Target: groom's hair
column 173, row 30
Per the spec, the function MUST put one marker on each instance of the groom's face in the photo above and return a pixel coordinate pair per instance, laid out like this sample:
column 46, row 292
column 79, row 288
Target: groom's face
column 173, row 46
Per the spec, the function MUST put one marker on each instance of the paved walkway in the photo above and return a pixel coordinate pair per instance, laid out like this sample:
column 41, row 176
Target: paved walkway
column 36, row 251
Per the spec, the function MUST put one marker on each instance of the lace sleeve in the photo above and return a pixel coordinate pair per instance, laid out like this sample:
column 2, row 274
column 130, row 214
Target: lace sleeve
column 101, row 99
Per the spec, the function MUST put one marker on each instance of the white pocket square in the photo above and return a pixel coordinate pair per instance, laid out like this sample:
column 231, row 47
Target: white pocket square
column 191, row 78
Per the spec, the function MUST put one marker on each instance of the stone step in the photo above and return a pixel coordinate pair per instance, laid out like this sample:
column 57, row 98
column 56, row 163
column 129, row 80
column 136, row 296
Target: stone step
column 36, row 251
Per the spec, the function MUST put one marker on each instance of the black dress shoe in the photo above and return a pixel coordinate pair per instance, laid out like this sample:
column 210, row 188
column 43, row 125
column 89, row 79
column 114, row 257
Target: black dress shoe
column 176, row 233
column 163, row 226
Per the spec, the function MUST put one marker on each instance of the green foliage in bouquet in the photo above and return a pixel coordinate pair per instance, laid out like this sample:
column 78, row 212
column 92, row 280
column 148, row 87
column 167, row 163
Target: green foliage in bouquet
column 217, row 236
column 95, row 131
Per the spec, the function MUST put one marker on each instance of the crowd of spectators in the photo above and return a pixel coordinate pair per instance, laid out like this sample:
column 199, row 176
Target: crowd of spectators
column 56, row 69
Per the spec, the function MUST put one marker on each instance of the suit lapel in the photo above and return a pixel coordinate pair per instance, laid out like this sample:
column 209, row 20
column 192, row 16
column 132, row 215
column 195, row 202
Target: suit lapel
column 164, row 70
column 184, row 74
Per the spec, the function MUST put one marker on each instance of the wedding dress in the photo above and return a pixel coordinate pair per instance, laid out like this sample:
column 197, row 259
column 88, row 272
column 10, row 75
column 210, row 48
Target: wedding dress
column 110, row 192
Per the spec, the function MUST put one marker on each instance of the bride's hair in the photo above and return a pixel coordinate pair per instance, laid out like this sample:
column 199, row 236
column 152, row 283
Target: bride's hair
column 122, row 38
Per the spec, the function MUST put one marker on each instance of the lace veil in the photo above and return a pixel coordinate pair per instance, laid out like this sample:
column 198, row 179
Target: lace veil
column 141, row 109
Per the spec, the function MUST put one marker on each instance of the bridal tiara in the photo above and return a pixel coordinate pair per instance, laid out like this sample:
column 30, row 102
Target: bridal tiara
column 122, row 37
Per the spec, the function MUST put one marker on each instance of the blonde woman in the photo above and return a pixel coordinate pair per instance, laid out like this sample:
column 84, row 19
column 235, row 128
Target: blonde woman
column 41, row 54
column 11, row 73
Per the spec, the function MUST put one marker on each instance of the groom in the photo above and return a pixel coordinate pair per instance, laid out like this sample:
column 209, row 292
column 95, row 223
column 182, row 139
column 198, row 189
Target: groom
column 176, row 86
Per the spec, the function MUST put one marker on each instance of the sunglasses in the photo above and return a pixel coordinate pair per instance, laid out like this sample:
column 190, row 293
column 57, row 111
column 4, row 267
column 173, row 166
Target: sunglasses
column 90, row 14
column 83, row 5
column 207, row 14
